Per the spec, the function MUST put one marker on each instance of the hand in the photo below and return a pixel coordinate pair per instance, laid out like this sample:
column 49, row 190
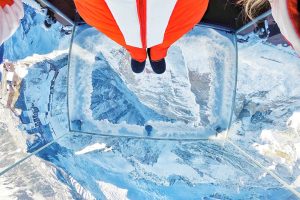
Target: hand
column 10, row 19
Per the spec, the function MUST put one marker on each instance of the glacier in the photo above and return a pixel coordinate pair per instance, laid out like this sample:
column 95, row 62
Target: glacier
column 42, row 159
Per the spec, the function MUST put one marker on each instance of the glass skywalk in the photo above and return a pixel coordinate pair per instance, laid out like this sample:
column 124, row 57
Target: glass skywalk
column 193, row 100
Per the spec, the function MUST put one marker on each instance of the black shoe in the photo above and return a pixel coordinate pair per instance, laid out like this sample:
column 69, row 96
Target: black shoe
column 159, row 67
column 136, row 66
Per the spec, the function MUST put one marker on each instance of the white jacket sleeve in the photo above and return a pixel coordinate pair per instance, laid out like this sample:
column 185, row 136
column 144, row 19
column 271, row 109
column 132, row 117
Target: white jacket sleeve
column 282, row 15
column 10, row 17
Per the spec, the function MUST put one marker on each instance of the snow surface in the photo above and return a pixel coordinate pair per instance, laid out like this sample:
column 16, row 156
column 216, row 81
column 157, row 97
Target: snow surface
column 112, row 192
column 266, row 126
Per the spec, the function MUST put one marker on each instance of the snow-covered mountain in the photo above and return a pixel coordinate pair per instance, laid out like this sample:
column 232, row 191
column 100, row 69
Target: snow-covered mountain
column 88, row 166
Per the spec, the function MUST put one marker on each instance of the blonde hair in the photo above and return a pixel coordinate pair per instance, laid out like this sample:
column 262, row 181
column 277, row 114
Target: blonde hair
column 252, row 7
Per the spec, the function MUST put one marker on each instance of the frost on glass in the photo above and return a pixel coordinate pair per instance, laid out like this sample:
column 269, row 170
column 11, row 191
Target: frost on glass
column 193, row 99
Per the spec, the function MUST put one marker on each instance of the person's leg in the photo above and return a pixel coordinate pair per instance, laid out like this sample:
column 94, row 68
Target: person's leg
column 97, row 14
column 15, row 99
column 9, row 99
column 137, row 54
column 185, row 16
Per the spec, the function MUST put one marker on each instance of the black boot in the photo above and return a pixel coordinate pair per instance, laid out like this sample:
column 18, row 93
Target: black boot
column 159, row 66
column 136, row 66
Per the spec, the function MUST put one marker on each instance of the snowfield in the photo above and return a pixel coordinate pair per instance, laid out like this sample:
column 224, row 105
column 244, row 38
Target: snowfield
column 259, row 160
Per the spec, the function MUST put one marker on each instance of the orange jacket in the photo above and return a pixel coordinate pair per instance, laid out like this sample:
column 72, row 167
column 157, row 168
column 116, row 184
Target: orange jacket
column 141, row 24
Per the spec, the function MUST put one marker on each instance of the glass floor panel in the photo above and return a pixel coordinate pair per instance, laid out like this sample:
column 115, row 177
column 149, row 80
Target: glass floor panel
column 193, row 99
column 84, row 166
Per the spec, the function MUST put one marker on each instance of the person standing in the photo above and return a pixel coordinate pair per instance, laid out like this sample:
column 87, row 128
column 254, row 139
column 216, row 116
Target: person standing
column 143, row 26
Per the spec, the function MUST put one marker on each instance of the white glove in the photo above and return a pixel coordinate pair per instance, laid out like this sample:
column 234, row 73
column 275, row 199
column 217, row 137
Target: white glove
column 280, row 13
column 10, row 17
